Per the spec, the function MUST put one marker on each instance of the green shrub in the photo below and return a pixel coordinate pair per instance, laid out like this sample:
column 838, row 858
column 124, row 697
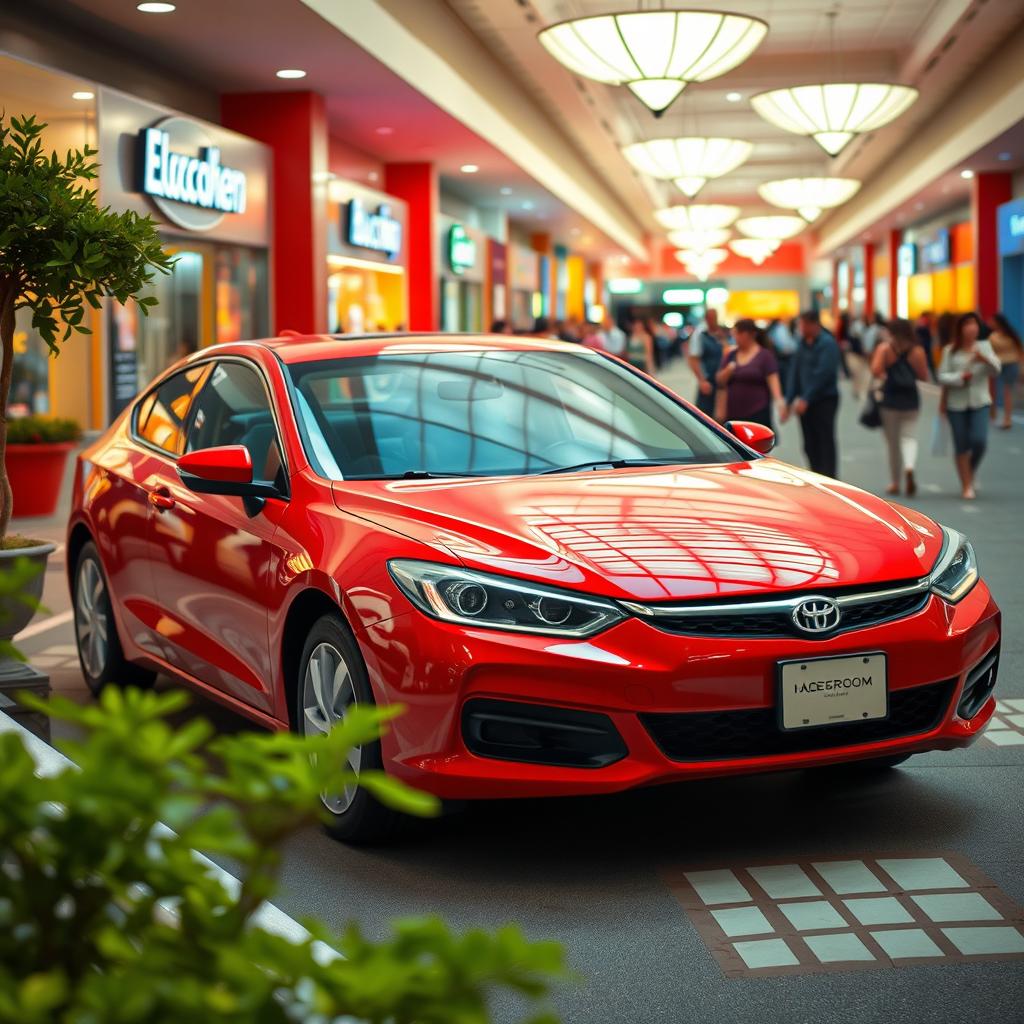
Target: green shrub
column 107, row 919
column 42, row 430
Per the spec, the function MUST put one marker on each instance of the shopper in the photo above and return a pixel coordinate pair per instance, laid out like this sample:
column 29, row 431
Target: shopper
column 748, row 381
column 813, row 392
column 899, row 362
column 923, row 331
column 705, row 358
column 501, row 327
column 594, row 337
column 1007, row 346
column 615, row 337
column 872, row 334
column 967, row 365
column 640, row 347
column 781, row 339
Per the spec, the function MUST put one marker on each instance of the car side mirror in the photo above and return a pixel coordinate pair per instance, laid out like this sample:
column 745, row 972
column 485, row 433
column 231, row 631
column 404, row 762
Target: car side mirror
column 753, row 435
column 224, row 470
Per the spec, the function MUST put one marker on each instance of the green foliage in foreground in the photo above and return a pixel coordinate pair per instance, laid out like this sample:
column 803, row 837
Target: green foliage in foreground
column 42, row 430
column 105, row 918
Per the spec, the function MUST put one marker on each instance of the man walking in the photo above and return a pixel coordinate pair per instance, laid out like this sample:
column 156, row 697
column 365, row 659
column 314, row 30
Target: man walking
column 813, row 392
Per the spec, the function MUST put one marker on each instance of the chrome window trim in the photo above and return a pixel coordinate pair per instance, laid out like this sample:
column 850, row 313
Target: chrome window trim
column 783, row 606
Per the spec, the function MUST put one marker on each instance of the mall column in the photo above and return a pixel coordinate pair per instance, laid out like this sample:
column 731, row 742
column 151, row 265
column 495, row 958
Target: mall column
column 989, row 190
column 893, row 240
column 867, row 309
column 294, row 126
column 417, row 184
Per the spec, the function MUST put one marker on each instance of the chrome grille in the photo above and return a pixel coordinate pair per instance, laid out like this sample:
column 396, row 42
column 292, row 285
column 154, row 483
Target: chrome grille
column 774, row 618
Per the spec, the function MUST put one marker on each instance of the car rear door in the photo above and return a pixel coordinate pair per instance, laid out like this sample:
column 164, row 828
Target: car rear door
column 213, row 555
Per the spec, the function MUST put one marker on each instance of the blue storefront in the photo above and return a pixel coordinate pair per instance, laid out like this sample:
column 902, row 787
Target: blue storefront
column 1011, row 256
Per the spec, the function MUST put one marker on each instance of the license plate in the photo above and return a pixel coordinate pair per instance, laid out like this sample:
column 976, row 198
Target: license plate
column 828, row 691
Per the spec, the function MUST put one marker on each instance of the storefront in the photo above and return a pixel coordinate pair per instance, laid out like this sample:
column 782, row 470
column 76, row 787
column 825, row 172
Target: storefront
column 208, row 190
column 1011, row 256
column 523, row 287
column 463, row 271
column 935, row 270
column 367, row 287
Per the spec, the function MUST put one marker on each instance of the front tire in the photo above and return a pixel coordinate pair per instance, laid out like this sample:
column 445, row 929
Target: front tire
column 99, row 647
column 332, row 679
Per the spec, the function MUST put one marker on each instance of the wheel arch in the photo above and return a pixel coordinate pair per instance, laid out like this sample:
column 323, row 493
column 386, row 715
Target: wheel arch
column 78, row 537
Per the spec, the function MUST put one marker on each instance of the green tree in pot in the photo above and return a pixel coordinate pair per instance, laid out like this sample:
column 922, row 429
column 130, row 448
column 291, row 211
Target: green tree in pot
column 59, row 253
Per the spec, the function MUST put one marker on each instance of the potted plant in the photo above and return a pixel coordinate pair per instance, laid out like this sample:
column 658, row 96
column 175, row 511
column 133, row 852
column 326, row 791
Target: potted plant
column 37, row 450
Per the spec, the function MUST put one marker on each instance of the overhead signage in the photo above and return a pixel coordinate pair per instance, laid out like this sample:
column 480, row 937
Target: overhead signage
column 906, row 260
column 625, row 286
column 376, row 229
column 683, row 296
column 177, row 175
column 937, row 251
column 461, row 249
column 1011, row 228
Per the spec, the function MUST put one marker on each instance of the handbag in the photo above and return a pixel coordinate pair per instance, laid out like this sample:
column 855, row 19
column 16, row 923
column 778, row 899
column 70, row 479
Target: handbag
column 871, row 411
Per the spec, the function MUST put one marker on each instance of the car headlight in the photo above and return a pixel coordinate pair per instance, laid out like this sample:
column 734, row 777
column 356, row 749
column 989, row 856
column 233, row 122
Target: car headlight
column 956, row 570
column 500, row 602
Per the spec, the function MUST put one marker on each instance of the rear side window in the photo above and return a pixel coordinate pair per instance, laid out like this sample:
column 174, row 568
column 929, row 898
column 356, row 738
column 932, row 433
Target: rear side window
column 162, row 414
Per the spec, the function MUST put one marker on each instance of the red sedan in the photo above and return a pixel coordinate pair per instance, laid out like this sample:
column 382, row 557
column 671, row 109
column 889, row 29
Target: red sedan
column 574, row 581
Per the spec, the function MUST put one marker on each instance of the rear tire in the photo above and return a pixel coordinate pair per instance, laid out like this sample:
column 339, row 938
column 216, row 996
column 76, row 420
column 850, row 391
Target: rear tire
column 99, row 647
column 332, row 678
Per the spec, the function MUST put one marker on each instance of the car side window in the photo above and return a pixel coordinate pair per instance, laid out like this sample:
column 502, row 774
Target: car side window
column 163, row 413
column 233, row 408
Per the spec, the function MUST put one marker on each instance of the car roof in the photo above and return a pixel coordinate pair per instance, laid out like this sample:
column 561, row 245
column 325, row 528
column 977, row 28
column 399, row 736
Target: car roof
column 301, row 348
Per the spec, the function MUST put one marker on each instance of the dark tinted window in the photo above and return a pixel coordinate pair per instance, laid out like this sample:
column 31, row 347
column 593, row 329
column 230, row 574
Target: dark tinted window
column 489, row 413
column 162, row 414
column 234, row 408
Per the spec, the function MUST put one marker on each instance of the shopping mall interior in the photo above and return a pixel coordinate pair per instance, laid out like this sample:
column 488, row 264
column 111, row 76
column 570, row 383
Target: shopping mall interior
column 563, row 168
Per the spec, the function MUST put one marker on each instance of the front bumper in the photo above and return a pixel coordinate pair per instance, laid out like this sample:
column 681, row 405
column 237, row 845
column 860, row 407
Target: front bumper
column 637, row 675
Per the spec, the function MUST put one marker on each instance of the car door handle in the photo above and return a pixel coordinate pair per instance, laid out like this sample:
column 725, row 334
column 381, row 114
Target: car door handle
column 161, row 499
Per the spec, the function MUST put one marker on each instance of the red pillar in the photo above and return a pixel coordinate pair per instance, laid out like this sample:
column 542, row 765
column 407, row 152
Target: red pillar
column 416, row 183
column 892, row 244
column 868, row 309
column 989, row 190
column 294, row 125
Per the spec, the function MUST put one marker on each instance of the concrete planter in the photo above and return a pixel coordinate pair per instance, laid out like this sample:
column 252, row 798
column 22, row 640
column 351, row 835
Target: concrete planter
column 18, row 676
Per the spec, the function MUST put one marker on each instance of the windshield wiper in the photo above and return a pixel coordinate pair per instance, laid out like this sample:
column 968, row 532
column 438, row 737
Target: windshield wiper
column 614, row 464
column 417, row 474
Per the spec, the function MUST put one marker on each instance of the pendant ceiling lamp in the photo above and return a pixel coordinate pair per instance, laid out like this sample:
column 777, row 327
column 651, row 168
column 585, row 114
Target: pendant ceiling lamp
column 772, row 227
column 697, row 216
column 689, row 161
column 701, row 264
column 808, row 196
column 699, row 240
column 757, row 250
column 654, row 52
column 833, row 114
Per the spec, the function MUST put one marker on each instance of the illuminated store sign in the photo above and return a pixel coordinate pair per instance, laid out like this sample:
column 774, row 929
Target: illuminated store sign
column 461, row 249
column 906, row 259
column 937, row 252
column 377, row 230
column 1010, row 217
column 202, row 181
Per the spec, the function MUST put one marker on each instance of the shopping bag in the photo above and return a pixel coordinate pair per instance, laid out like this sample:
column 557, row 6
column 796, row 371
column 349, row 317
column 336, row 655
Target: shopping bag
column 870, row 413
column 941, row 441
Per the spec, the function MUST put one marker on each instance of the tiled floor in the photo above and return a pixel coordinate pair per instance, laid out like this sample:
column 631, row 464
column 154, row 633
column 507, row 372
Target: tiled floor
column 814, row 916
column 1007, row 726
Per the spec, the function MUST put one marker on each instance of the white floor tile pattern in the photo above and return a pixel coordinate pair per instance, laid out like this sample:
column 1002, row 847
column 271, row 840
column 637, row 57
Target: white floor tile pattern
column 830, row 915
column 1006, row 729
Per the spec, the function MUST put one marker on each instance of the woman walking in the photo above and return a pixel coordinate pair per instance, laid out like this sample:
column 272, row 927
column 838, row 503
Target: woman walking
column 748, row 381
column 899, row 362
column 967, row 365
column 1007, row 346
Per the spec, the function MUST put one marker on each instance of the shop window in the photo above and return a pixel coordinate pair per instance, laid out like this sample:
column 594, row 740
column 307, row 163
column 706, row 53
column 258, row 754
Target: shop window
column 241, row 294
column 30, row 380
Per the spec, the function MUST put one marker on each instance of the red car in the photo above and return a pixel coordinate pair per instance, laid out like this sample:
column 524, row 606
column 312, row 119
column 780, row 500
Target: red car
column 574, row 581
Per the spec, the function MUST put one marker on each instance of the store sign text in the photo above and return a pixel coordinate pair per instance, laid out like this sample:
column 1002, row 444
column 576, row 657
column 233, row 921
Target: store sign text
column 194, row 180
column 377, row 230
column 461, row 249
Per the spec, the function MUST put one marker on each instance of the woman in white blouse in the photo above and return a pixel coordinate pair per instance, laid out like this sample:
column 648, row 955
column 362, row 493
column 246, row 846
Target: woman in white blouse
column 967, row 366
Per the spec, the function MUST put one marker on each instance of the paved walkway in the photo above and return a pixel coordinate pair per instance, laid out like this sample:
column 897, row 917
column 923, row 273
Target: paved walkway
column 789, row 898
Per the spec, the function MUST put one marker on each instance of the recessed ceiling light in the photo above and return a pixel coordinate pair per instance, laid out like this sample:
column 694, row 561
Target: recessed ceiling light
column 148, row 8
column 527, row 205
column 1005, row 156
column 290, row 73
column 967, row 173
column 384, row 130
column 734, row 97
column 83, row 94
column 506, row 191
column 469, row 168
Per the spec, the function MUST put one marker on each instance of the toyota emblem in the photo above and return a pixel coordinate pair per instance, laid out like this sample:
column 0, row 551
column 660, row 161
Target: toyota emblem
column 817, row 615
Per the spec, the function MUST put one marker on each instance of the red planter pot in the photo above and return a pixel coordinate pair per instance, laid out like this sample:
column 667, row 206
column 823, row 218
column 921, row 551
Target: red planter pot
column 36, row 472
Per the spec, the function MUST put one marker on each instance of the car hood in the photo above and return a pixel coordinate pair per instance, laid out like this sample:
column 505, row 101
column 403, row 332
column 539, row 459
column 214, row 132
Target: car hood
column 657, row 535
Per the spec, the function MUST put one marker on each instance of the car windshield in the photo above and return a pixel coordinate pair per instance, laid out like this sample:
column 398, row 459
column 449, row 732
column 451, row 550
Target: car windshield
column 490, row 413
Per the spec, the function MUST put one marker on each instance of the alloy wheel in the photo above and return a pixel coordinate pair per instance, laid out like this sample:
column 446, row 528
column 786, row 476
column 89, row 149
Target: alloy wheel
column 92, row 623
column 327, row 694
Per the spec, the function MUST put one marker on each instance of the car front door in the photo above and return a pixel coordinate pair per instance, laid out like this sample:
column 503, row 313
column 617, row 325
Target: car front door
column 213, row 554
